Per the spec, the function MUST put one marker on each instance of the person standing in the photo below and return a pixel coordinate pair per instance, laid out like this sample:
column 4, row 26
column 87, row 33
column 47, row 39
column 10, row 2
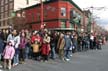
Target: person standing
column 8, row 54
column 80, row 42
column 36, row 47
column 45, row 50
column 16, row 38
column 28, row 45
column 75, row 43
column 68, row 45
column 22, row 46
column 91, row 41
column 60, row 46
column 53, row 45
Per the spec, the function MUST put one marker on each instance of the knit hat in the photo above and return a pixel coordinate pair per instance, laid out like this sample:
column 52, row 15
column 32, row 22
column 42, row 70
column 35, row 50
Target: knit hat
column 35, row 32
column 12, row 42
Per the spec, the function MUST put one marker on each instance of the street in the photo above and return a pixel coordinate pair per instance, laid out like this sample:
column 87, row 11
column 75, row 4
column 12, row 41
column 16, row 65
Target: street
column 92, row 60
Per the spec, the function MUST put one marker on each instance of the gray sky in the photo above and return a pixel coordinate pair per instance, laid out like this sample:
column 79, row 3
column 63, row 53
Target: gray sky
column 103, row 13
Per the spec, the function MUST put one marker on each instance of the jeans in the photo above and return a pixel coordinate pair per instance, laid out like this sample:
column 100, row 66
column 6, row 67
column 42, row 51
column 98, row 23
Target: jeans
column 67, row 54
column 0, row 56
column 16, row 59
column 27, row 52
column 53, row 53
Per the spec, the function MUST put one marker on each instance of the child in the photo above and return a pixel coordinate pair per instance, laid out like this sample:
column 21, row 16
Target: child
column 8, row 54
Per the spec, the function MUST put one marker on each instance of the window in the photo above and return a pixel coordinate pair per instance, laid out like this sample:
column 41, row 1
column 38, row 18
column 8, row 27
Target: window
column 6, row 22
column 72, row 14
column 2, row 9
column 6, row 1
column 1, row 17
column 63, row 24
column 6, row 7
column 6, row 14
column 11, row 6
column 2, row 2
column 10, row 12
column 63, row 11
column 1, row 23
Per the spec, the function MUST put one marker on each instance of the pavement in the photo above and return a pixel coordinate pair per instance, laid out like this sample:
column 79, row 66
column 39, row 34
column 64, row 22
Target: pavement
column 92, row 60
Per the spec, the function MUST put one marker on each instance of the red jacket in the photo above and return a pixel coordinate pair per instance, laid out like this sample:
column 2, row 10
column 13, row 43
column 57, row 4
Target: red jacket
column 45, row 49
column 33, row 39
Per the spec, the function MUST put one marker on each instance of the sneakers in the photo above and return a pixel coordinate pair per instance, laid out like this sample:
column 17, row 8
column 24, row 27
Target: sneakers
column 67, row 59
column 15, row 64
column 9, row 68
column 71, row 55
column 46, row 61
column 1, row 66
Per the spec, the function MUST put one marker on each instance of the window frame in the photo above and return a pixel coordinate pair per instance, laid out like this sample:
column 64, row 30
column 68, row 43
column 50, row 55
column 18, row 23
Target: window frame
column 6, row 7
column 2, row 2
column 2, row 9
column 63, row 11
column 6, row 1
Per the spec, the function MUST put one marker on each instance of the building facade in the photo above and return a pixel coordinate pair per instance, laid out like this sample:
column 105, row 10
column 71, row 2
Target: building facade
column 7, row 8
column 58, row 14
column 87, row 24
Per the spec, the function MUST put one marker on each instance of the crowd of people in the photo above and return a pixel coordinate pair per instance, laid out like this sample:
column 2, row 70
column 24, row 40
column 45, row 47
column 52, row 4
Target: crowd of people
column 41, row 45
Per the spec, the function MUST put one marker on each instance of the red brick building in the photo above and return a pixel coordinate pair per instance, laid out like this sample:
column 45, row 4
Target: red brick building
column 58, row 14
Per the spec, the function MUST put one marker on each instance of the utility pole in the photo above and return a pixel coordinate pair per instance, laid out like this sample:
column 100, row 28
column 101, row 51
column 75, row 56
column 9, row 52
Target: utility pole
column 92, row 11
column 41, row 18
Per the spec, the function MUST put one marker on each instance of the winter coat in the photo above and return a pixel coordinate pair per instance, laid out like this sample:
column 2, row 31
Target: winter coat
column 23, row 42
column 10, row 37
column 35, row 48
column 16, row 40
column 46, row 46
column 45, row 49
column 9, row 52
column 33, row 39
column 61, row 43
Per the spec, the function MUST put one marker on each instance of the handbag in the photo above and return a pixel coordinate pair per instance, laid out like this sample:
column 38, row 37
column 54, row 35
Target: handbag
column 71, row 48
